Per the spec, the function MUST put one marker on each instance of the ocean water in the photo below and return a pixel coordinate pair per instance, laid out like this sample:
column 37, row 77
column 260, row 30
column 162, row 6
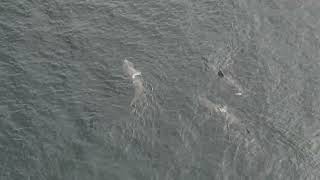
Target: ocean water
column 129, row 90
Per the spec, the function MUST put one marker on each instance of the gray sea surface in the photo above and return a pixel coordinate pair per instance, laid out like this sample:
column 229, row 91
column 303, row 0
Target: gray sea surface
column 159, row 89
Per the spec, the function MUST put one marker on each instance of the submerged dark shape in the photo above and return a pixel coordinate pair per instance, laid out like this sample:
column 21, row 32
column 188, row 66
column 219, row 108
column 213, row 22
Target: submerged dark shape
column 220, row 74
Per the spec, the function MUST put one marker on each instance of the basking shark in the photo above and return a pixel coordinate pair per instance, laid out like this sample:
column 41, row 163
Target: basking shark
column 229, row 80
column 220, row 109
column 129, row 69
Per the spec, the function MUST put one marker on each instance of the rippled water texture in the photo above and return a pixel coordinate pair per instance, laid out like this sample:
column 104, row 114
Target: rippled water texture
column 124, row 90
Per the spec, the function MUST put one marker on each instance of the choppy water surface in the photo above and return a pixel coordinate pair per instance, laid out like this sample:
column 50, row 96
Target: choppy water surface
column 113, row 90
